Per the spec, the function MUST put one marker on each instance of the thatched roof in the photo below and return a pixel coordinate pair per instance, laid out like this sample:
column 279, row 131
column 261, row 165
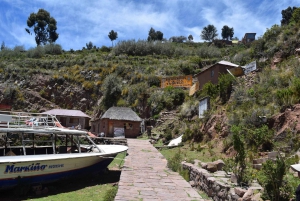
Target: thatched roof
column 121, row 113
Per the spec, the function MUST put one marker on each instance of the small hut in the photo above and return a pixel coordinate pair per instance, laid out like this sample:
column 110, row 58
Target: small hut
column 120, row 122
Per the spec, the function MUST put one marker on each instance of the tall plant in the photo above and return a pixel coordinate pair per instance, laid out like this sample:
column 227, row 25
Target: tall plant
column 273, row 181
column 240, row 157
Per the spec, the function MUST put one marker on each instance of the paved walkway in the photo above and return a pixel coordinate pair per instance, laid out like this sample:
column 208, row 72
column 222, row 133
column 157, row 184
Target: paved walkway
column 145, row 176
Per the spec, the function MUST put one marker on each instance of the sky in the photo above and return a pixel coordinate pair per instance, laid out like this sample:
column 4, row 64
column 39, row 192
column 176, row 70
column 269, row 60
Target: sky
column 83, row 21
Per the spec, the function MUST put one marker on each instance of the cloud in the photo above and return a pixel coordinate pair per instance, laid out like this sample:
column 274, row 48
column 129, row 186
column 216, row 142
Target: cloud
column 82, row 21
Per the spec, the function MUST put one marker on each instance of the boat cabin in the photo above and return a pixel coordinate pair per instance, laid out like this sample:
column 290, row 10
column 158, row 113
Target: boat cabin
column 27, row 134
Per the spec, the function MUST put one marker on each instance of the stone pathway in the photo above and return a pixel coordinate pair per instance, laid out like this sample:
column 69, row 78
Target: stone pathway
column 145, row 176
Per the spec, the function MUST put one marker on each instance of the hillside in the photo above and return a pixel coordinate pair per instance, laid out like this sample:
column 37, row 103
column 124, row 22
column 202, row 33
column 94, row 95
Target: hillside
column 261, row 107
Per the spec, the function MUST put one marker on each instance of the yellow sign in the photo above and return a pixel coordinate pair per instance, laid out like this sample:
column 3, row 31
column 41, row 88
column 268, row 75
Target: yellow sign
column 179, row 81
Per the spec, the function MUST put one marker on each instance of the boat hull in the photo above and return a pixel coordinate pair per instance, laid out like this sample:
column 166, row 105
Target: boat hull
column 32, row 169
column 12, row 174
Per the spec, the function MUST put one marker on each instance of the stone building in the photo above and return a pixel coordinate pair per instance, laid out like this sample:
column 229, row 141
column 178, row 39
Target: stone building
column 118, row 122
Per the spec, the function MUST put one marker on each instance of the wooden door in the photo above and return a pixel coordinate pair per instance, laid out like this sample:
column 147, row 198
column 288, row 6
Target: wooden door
column 111, row 128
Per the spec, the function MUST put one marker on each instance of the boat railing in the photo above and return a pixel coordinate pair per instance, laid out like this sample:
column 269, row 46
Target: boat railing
column 27, row 120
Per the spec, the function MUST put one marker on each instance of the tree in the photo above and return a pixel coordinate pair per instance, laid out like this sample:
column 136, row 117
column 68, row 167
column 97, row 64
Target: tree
column 296, row 16
column 159, row 35
column 113, row 35
column 177, row 39
column 190, row 37
column 2, row 45
column 111, row 89
column 155, row 35
column 44, row 27
column 287, row 15
column 227, row 32
column 209, row 33
column 272, row 177
column 89, row 45
column 241, row 155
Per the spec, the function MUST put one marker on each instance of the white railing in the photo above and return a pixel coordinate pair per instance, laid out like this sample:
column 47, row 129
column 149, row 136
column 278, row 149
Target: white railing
column 22, row 120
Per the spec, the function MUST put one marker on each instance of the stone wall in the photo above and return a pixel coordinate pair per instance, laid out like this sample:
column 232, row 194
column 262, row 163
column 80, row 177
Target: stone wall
column 218, row 185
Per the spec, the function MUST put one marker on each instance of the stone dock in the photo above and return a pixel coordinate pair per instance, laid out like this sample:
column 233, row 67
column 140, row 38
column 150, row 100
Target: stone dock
column 145, row 176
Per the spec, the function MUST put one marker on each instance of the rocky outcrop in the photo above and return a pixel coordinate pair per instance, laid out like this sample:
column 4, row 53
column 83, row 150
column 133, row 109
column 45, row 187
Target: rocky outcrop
column 287, row 121
column 42, row 92
column 216, row 125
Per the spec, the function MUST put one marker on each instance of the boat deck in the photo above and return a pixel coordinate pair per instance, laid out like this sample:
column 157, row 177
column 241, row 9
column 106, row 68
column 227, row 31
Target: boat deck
column 145, row 176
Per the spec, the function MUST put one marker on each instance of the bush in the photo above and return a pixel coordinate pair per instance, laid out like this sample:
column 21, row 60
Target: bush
column 187, row 135
column 37, row 52
column 272, row 178
column 153, row 80
column 54, row 49
column 208, row 52
column 210, row 90
column 175, row 162
column 144, row 48
column 105, row 49
column 168, row 135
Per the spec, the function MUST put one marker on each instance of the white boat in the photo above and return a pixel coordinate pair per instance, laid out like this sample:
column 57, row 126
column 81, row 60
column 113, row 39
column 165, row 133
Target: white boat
column 38, row 154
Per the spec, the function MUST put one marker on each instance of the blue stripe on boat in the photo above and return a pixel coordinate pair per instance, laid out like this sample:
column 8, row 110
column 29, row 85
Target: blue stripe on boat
column 47, row 178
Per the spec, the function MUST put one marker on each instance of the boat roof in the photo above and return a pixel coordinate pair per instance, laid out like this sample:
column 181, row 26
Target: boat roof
column 44, row 130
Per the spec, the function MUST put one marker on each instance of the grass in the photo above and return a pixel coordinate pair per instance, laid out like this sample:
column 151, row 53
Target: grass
column 143, row 137
column 205, row 155
column 90, row 188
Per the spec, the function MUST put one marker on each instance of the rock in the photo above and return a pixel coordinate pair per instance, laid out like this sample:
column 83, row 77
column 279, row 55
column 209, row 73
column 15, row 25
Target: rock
column 233, row 178
column 257, row 166
column 222, row 194
column 83, row 100
column 248, row 195
column 204, row 165
column 240, row 191
column 212, row 167
column 235, row 197
column 220, row 164
column 256, row 197
column 192, row 183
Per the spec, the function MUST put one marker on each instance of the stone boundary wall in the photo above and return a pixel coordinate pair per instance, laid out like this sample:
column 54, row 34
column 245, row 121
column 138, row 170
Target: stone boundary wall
column 218, row 185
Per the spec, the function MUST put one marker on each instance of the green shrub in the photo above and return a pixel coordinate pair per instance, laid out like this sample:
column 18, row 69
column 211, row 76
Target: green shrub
column 185, row 173
column 54, row 49
column 153, row 80
column 187, row 135
column 208, row 52
column 174, row 163
column 210, row 89
column 225, row 86
column 168, row 134
column 272, row 178
column 37, row 52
